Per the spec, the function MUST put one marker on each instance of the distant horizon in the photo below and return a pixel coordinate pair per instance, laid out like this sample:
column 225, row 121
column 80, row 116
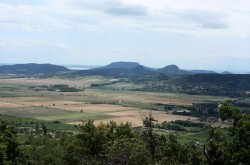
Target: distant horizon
column 90, row 66
column 207, row 35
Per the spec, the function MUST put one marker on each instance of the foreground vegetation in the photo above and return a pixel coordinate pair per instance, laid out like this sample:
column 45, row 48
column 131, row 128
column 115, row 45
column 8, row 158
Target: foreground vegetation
column 121, row 144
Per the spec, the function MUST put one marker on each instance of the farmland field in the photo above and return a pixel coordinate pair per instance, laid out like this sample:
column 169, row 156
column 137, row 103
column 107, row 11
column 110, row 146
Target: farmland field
column 115, row 101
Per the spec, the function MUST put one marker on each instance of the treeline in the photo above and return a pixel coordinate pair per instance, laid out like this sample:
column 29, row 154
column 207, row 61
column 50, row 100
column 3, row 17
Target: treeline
column 121, row 144
column 188, row 123
column 103, row 84
column 201, row 110
column 56, row 87
column 178, row 125
column 233, row 85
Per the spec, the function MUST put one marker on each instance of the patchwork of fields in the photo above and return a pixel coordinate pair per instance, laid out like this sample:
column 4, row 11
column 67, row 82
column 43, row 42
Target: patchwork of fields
column 99, row 104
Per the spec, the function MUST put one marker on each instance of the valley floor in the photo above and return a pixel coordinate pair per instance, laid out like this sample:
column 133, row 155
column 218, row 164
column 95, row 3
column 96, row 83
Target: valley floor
column 112, row 102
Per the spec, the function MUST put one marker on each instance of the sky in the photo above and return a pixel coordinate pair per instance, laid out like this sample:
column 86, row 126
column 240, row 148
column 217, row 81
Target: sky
column 193, row 34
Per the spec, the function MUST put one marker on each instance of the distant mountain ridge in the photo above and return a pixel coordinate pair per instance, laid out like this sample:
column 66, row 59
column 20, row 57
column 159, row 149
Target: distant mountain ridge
column 32, row 68
column 203, row 72
column 121, row 64
column 117, row 69
column 122, row 69
column 173, row 70
column 226, row 72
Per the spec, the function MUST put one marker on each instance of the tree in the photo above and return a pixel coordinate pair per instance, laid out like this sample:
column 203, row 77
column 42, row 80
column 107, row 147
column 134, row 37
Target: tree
column 44, row 127
column 9, row 146
column 2, row 151
column 45, row 150
column 229, row 146
column 92, row 138
column 128, row 151
column 91, row 143
column 37, row 128
column 148, row 135
column 230, row 113
column 75, row 154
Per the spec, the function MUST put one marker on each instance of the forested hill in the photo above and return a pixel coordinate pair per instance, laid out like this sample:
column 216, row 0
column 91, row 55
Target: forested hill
column 234, row 80
column 134, row 69
column 173, row 70
column 32, row 68
column 204, row 84
column 121, row 65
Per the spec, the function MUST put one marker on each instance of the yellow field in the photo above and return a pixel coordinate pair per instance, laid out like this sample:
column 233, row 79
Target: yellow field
column 117, row 113
column 135, row 117
column 94, row 108
column 101, row 105
column 171, row 101
column 7, row 104
column 72, row 82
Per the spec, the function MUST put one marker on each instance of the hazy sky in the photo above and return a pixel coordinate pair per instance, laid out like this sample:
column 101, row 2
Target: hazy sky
column 193, row 34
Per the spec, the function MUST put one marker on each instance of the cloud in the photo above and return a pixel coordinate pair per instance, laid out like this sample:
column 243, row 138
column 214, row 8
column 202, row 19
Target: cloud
column 205, row 19
column 128, row 10
column 16, row 44
column 31, row 48
column 42, row 18
column 112, row 7
column 114, row 50
column 214, row 25
column 199, row 19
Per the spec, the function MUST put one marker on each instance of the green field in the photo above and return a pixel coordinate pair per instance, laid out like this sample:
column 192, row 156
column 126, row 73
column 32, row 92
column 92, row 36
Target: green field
column 18, row 99
column 74, row 117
